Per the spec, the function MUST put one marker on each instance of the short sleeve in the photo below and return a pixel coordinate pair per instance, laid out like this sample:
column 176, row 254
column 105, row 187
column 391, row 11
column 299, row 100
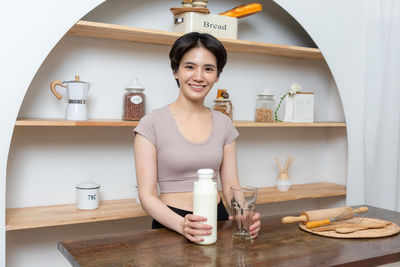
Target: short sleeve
column 231, row 132
column 145, row 128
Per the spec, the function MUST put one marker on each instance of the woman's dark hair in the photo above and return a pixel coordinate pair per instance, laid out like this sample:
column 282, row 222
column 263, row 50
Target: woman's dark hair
column 195, row 39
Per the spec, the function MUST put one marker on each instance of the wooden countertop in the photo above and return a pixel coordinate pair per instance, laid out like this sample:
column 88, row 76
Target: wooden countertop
column 277, row 245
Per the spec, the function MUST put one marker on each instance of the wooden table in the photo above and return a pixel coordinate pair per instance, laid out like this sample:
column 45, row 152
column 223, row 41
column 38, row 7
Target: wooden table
column 277, row 245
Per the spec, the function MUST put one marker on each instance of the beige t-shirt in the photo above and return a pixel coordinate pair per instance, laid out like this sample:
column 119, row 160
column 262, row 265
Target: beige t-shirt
column 178, row 159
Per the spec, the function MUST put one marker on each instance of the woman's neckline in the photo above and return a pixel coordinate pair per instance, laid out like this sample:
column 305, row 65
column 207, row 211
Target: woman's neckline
column 183, row 137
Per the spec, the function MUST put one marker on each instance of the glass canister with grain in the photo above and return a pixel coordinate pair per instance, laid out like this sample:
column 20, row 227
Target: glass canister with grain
column 133, row 102
column 223, row 103
column 265, row 106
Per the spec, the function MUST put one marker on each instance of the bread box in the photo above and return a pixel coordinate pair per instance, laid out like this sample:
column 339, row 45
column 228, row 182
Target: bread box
column 218, row 26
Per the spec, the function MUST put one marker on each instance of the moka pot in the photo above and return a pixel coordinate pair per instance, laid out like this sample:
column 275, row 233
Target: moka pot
column 77, row 92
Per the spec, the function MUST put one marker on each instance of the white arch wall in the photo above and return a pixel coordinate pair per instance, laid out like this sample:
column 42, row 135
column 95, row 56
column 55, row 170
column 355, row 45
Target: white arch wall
column 42, row 39
column 96, row 60
column 339, row 29
column 26, row 40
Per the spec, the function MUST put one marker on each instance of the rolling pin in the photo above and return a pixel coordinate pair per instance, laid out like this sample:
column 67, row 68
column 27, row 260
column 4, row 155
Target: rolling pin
column 317, row 218
column 243, row 10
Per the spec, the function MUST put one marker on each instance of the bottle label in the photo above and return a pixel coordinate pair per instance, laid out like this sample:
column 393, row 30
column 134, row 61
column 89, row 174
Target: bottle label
column 136, row 99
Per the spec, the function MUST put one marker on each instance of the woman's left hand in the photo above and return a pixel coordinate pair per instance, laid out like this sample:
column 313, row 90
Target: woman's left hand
column 255, row 225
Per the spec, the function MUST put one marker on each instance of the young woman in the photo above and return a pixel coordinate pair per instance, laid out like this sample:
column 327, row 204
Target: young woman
column 174, row 141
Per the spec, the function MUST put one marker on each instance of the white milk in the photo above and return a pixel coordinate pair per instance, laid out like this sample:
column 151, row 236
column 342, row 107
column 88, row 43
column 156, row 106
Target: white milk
column 205, row 202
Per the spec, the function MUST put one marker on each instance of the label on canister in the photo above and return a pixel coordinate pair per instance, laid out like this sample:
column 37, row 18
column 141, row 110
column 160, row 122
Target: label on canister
column 136, row 99
column 87, row 195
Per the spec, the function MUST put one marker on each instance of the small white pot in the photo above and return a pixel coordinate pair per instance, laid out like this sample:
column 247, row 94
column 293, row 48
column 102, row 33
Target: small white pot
column 87, row 195
column 283, row 183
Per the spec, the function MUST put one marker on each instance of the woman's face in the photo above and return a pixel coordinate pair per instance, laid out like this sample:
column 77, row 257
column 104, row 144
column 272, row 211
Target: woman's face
column 197, row 73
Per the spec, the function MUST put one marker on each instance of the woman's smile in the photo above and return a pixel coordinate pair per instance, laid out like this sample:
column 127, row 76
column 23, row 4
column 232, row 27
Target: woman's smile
column 197, row 88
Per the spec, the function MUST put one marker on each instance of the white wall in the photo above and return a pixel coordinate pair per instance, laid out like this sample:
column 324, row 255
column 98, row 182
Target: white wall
column 52, row 160
column 339, row 27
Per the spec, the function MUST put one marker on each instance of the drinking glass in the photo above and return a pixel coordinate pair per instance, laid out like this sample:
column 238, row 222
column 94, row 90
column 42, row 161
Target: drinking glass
column 243, row 203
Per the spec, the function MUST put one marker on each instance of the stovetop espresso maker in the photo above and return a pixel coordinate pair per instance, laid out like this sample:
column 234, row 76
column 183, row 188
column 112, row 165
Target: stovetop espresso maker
column 77, row 92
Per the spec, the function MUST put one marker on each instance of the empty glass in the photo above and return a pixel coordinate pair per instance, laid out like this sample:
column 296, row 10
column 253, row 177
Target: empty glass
column 243, row 203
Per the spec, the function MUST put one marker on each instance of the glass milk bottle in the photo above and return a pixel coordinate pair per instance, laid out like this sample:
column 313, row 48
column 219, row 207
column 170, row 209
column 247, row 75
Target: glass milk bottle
column 205, row 202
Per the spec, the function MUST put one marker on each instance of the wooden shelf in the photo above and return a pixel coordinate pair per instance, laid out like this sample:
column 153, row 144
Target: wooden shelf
column 62, row 122
column 121, row 123
column 148, row 36
column 36, row 217
column 300, row 191
column 240, row 124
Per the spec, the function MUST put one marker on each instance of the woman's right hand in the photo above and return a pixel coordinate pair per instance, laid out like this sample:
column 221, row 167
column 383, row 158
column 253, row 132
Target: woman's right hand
column 194, row 227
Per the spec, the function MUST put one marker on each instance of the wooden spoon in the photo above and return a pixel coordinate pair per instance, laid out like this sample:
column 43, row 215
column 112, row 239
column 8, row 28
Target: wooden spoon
column 348, row 230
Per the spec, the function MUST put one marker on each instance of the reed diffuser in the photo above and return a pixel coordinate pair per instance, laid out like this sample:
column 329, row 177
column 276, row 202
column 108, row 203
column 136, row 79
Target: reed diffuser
column 283, row 182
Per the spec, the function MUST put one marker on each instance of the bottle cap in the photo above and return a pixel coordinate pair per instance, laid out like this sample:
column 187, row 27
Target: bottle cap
column 205, row 173
column 267, row 91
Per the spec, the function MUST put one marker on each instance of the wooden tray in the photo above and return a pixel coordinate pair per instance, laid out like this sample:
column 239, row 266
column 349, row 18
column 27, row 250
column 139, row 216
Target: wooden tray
column 388, row 230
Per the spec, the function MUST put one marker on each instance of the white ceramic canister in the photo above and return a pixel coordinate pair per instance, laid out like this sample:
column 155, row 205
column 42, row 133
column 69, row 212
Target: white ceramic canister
column 205, row 202
column 87, row 195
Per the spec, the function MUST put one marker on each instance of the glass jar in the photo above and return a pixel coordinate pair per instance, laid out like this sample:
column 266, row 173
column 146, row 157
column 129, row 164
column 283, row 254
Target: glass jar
column 265, row 106
column 134, row 102
column 224, row 105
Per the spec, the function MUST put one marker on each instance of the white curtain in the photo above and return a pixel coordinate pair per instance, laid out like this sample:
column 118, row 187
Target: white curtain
column 382, row 104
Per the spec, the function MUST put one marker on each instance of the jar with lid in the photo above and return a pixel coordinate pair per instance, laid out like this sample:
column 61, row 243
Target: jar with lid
column 223, row 104
column 87, row 195
column 134, row 102
column 265, row 106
